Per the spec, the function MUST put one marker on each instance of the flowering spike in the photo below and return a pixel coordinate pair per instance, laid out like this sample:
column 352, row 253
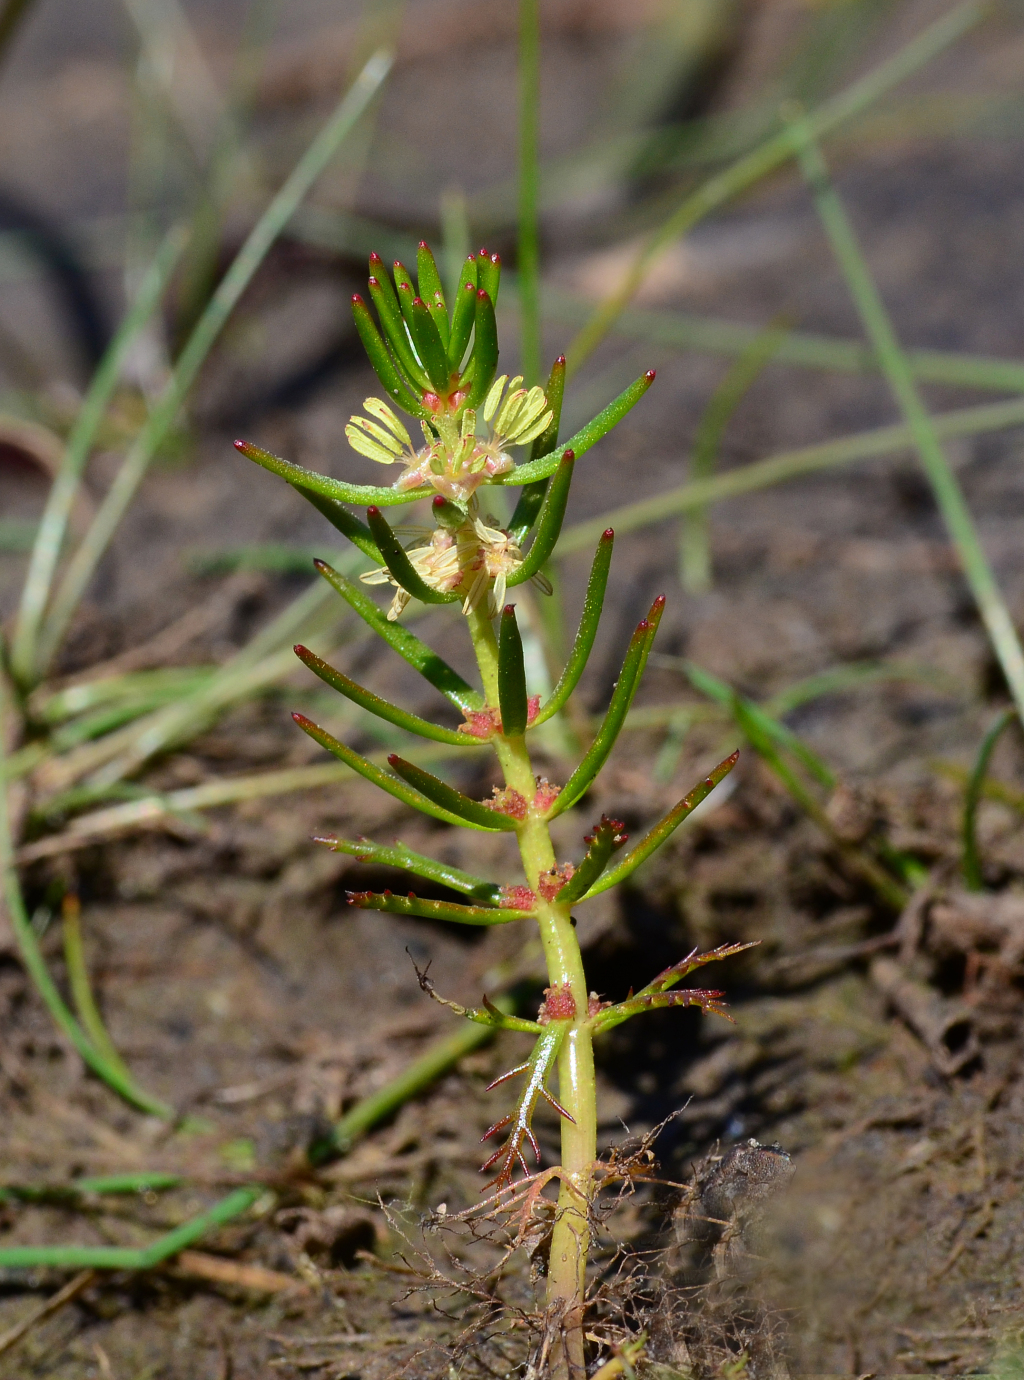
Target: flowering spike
column 587, row 631
column 485, row 348
column 470, row 812
column 421, row 657
column 512, row 696
column 608, row 835
column 549, row 524
column 622, row 698
column 383, row 709
column 661, row 831
column 398, row 563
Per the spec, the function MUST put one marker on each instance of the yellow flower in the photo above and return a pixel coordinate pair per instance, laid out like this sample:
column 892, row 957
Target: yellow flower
column 437, row 564
column 454, row 461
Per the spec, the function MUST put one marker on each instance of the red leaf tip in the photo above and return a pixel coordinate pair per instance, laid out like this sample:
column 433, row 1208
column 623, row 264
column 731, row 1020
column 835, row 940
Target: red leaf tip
column 373, row 511
column 608, row 534
column 651, row 375
column 568, row 455
column 356, row 299
column 423, row 244
column 509, row 611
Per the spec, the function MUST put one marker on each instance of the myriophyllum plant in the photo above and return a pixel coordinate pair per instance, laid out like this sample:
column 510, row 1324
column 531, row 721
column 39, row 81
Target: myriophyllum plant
column 440, row 368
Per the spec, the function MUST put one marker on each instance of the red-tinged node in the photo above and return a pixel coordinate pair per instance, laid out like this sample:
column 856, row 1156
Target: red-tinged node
column 651, row 375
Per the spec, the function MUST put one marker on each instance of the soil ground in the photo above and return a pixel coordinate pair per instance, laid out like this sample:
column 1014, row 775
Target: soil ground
column 240, row 986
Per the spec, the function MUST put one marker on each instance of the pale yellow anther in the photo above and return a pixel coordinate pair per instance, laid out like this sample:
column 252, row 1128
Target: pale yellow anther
column 383, row 413
column 494, row 396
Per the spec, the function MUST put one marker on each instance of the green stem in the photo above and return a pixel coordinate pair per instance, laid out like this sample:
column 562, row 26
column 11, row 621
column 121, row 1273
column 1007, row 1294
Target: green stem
column 576, row 1080
column 974, row 878
column 60, row 501
column 765, row 159
column 528, row 255
column 948, row 495
column 85, row 560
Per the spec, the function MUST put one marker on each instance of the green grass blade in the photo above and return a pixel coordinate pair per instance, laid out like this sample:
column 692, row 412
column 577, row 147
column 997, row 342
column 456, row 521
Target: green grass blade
column 587, row 631
column 721, row 188
column 334, row 490
column 415, row 1079
column 81, row 989
column 451, row 801
column 35, row 966
column 399, row 564
column 549, row 523
column 801, row 349
column 728, row 698
column 948, row 494
column 440, row 675
column 125, row 1257
column 528, row 238
column 622, row 697
column 779, row 469
column 383, row 709
column 971, row 861
column 274, row 219
column 586, row 437
column 694, row 544
column 513, row 701
column 433, row 910
column 371, row 772
column 398, row 855
column 60, row 501
column 666, row 826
